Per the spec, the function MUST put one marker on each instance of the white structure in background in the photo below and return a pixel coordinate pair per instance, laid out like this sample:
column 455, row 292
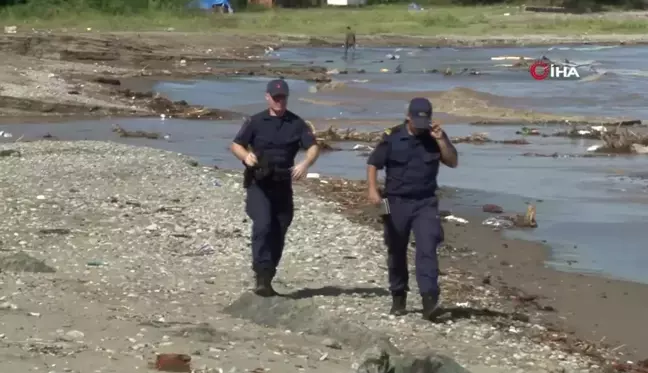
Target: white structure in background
column 346, row 2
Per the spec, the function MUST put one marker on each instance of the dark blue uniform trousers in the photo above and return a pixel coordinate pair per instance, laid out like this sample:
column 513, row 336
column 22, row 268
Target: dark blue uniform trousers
column 271, row 210
column 421, row 216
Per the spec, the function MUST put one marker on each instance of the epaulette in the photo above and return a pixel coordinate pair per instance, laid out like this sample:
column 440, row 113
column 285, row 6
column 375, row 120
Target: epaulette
column 391, row 130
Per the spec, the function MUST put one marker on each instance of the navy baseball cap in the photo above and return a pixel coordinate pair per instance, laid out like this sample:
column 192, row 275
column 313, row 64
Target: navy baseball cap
column 277, row 87
column 420, row 112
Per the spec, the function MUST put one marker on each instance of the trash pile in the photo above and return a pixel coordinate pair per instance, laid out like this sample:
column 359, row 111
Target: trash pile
column 179, row 109
column 615, row 140
column 589, row 132
column 527, row 220
column 624, row 141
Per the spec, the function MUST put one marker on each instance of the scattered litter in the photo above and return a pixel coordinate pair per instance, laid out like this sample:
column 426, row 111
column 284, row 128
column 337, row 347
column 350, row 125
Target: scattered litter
column 163, row 116
column 455, row 219
column 497, row 222
column 183, row 62
column 594, row 148
column 599, row 128
column 360, row 80
column 333, row 72
column 384, row 70
column 414, row 7
column 5, row 134
column 216, row 183
column 313, row 175
column 392, row 56
column 10, row 29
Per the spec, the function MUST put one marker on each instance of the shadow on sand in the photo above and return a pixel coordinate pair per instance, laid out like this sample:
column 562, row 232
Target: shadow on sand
column 334, row 291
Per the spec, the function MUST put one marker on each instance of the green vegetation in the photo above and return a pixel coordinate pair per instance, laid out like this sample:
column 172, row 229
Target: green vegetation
column 437, row 19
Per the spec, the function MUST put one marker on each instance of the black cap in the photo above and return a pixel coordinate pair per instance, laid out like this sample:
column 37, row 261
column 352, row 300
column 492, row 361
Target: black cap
column 420, row 112
column 277, row 87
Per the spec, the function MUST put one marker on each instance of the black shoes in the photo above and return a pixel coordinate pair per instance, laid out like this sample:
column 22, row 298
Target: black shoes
column 399, row 303
column 430, row 307
column 263, row 286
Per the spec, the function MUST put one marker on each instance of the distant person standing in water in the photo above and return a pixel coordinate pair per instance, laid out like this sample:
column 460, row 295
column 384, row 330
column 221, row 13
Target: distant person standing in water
column 349, row 42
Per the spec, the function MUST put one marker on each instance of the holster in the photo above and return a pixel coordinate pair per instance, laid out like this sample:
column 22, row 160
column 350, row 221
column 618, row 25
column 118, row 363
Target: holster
column 259, row 173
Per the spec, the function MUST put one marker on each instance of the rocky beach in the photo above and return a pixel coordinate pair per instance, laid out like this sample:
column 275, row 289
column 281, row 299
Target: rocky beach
column 112, row 254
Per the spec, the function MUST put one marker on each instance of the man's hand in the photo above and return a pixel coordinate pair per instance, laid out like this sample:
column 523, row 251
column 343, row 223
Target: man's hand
column 374, row 196
column 299, row 171
column 251, row 160
column 436, row 131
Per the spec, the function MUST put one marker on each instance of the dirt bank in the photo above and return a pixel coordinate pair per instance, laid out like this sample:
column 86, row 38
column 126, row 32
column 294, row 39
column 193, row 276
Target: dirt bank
column 72, row 74
column 601, row 311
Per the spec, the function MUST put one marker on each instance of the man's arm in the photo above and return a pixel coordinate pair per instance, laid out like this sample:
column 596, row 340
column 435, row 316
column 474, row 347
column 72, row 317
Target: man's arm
column 377, row 160
column 309, row 142
column 242, row 140
column 449, row 155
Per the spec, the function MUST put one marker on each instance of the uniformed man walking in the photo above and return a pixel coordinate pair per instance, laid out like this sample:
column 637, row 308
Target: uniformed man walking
column 274, row 136
column 411, row 153
column 349, row 42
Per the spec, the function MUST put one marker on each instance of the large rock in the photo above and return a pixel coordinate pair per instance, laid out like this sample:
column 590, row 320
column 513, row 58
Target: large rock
column 377, row 355
column 21, row 262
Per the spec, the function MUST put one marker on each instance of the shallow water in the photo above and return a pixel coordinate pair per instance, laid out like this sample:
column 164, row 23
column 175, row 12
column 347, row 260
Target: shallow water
column 590, row 210
column 583, row 201
column 616, row 92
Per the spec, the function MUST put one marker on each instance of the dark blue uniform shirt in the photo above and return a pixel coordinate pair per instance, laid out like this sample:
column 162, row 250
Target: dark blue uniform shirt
column 411, row 162
column 278, row 138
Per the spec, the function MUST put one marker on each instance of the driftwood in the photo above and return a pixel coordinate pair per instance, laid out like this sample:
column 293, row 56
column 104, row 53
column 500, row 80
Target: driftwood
column 623, row 141
column 141, row 134
column 335, row 134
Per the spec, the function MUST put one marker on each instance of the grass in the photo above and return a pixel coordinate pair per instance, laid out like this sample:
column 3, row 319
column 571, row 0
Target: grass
column 385, row 19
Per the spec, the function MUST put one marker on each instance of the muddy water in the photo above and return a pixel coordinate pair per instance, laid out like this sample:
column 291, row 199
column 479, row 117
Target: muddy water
column 592, row 211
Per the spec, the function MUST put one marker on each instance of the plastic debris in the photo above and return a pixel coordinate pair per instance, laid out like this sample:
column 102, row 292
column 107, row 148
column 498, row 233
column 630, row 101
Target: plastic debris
column 498, row 222
column 455, row 219
column 313, row 175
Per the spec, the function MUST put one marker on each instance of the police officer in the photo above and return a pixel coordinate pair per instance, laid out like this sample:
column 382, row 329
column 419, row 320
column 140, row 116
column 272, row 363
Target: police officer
column 411, row 153
column 275, row 136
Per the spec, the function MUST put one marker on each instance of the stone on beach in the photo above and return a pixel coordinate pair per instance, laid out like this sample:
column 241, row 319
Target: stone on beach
column 146, row 216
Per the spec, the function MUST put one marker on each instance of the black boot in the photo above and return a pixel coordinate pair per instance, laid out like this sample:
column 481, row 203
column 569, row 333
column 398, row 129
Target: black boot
column 430, row 307
column 263, row 286
column 399, row 304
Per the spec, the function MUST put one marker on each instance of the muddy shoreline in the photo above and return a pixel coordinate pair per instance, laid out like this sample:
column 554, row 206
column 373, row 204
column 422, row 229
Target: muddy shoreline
column 66, row 75
column 579, row 304
column 55, row 76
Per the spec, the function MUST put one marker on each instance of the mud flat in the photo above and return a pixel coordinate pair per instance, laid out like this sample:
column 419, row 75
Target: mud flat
column 62, row 75
column 146, row 264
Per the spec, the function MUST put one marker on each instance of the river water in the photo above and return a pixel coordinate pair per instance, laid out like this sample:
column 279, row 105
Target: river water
column 591, row 211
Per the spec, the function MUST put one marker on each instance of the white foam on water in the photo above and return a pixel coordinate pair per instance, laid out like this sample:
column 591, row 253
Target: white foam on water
column 584, row 49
